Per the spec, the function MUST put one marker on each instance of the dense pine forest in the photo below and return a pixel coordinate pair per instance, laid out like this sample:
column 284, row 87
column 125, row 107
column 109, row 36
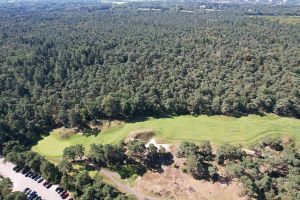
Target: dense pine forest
column 70, row 64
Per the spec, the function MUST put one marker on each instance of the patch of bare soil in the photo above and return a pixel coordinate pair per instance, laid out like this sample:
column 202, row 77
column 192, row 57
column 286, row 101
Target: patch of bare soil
column 64, row 132
column 174, row 184
column 144, row 135
column 91, row 128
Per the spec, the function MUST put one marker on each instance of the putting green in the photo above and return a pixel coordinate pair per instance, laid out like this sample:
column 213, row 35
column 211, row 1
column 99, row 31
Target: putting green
column 217, row 129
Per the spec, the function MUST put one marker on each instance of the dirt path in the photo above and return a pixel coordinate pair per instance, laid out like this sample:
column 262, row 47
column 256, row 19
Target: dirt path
column 123, row 187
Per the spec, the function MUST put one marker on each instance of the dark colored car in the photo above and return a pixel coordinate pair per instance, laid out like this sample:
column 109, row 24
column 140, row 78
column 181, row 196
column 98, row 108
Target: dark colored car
column 37, row 177
column 24, row 171
column 40, row 180
column 65, row 195
column 26, row 190
column 45, row 183
column 32, row 196
column 18, row 169
column 61, row 190
column 49, row 185
column 57, row 189
column 31, row 193
column 33, row 176
column 27, row 174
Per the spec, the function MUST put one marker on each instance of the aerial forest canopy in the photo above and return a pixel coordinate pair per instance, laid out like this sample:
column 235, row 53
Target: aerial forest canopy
column 69, row 65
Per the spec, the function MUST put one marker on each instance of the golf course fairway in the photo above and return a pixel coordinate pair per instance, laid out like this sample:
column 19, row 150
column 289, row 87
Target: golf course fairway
column 218, row 129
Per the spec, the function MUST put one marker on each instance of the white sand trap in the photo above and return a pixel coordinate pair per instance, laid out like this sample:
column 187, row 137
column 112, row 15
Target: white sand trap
column 152, row 141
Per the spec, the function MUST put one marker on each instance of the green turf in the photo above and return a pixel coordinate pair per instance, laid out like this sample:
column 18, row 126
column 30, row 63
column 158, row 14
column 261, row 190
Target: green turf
column 292, row 20
column 217, row 129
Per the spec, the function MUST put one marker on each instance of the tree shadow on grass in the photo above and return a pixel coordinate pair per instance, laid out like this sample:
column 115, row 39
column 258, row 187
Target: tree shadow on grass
column 142, row 118
column 128, row 170
column 235, row 114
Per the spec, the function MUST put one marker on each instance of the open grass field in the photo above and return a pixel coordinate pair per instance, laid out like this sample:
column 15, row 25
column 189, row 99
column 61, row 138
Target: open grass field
column 293, row 20
column 217, row 129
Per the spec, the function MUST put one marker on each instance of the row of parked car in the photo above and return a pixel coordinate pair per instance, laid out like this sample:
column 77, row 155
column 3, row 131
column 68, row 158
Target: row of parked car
column 32, row 195
column 34, row 176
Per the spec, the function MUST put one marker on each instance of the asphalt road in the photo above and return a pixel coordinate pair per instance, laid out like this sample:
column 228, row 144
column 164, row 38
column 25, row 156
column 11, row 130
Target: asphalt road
column 21, row 182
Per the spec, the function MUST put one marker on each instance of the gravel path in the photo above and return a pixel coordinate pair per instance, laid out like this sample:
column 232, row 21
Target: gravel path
column 21, row 182
column 124, row 188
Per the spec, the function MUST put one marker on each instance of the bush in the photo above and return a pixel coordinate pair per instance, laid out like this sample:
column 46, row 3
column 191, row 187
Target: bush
column 129, row 170
column 185, row 149
column 228, row 152
column 176, row 166
column 213, row 173
column 273, row 143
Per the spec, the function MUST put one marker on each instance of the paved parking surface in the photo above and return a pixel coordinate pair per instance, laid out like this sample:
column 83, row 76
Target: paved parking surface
column 21, row 182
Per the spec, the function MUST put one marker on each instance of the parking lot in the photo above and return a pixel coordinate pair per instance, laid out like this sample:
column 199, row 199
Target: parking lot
column 21, row 182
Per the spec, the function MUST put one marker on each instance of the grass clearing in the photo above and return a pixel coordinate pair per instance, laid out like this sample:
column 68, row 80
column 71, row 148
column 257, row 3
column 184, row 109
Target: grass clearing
column 293, row 20
column 218, row 129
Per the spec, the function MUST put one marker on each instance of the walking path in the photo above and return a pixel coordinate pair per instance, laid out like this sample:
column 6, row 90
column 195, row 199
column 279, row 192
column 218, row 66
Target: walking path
column 21, row 182
column 123, row 187
column 115, row 178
